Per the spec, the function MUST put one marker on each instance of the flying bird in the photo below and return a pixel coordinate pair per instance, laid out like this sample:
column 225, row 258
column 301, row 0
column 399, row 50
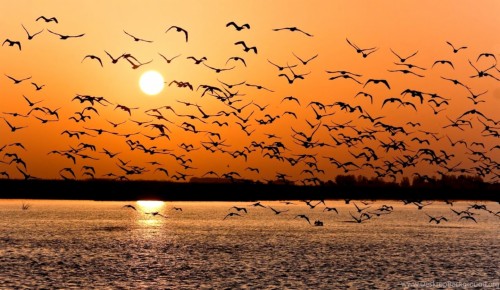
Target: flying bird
column 305, row 62
column 245, row 47
column 169, row 60
column 443, row 61
column 292, row 29
column 238, row 27
column 93, row 57
column 376, row 81
column 455, row 50
column 18, row 81
column 12, row 43
column 64, row 37
column 30, row 36
column 403, row 59
column 178, row 29
column 46, row 19
column 137, row 39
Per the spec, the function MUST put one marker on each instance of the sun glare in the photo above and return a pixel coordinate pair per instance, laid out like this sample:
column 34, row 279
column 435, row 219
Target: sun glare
column 151, row 82
column 150, row 205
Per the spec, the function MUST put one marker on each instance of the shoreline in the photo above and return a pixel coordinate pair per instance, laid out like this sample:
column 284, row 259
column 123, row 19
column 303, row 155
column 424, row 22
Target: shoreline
column 110, row 190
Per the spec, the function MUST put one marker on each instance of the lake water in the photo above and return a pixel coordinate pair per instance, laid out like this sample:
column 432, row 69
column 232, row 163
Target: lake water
column 89, row 244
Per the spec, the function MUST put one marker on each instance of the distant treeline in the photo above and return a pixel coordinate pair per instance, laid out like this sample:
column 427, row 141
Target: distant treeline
column 199, row 189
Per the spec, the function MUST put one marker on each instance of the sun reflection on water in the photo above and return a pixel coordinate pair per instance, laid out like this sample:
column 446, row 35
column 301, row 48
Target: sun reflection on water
column 150, row 205
column 148, row 208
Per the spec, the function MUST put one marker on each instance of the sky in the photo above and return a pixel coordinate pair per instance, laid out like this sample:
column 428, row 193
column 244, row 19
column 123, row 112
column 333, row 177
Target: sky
column 405, row 28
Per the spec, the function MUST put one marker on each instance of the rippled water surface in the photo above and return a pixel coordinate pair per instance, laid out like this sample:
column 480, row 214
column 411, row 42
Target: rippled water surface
column 89, row 244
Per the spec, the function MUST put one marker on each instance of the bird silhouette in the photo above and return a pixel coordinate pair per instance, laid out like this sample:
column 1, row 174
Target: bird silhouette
column 238, row 27
column 303, row 216
column 169, row 60
column 376, row 81
column 18, row 81
column 293, row 29
column 137, row 39
column 12, row 43
column 305, row 61
column 246, row 48
column 277, row 211
column 239, row 209
column 403, row 59
column 64, row 37
column 30, row 36
column 231, row 214
column 456, row 49
column 47, row 19
column 13, row 128
column 178, row 29
column 130, row 206
column 93, row 57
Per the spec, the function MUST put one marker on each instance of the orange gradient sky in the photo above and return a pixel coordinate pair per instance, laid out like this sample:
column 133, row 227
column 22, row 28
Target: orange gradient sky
column 403, row 26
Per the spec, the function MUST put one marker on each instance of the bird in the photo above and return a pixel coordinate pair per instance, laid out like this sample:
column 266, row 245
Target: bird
column 125, row 108
column 30, row 36
column 376, row 81
column 113, row 60
column 231, row 214
column 239, row 209
column 359, row 219
column 18, row 81
column 155, row 213
column 178, row 29
column 365, row 52
column 258, row 204
column 486, row 54
column 293, row 29
column 277, row 211
column 93, row 57
column 47, row 19
column 168, row 60
column 237, row 58
column 13, row 128
column 280, row 68
column 305, row 62
column 37, row 87
column 137, row 39
column 246, row 48
column 12, row 43
column 403, row 59
column 218, row 70
column 64, row 37
column 25, row 174
column 197, row 61
column 238, row 27
column 437, row 220
column 330, row 209
column 456, row 82
column 443, row 61
column 455, row 50
column 303, row 216
column 130, row 206
column 468, row 217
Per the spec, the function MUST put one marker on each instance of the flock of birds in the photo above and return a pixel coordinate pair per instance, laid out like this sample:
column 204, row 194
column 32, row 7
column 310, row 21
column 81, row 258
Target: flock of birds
column 317, row 131
column 362, row 212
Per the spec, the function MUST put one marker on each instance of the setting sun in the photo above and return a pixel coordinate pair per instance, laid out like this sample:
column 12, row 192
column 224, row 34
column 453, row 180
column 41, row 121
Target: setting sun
column 151, row 82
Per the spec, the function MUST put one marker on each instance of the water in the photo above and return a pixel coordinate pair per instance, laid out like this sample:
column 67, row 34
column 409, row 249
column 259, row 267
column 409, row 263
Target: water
column 87, row 244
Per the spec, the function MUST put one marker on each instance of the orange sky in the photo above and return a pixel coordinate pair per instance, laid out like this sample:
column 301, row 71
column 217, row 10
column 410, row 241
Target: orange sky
column 405, row 27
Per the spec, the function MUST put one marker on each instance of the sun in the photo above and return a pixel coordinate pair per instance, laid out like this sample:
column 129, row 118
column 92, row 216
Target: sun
column 151, row 82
